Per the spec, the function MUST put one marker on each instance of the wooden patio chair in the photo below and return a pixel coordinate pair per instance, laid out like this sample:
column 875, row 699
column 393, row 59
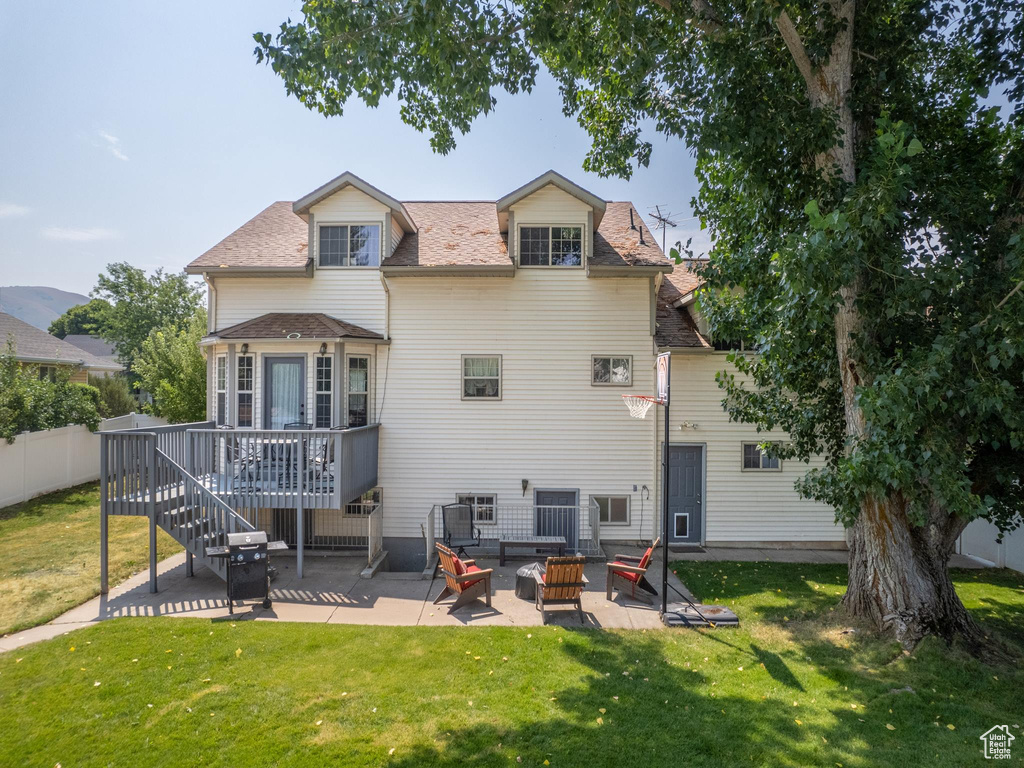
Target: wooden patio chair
column 462, row 578
column 628, row 574
column 562, row 583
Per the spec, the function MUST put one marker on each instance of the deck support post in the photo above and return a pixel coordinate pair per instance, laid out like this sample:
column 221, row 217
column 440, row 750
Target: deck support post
column 151, row 477
column 189, row 566
column 300, row 533
column 104, row 519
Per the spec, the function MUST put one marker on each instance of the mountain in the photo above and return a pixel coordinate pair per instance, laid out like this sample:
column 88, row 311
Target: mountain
column 36, row 304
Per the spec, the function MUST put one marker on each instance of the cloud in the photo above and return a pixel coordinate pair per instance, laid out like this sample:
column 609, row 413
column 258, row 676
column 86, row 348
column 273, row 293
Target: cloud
column 11, row 211
column 112, row 145
column 85, row 235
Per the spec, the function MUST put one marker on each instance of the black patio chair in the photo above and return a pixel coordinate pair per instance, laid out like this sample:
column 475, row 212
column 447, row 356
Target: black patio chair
column 245, row 456
column 459, row 531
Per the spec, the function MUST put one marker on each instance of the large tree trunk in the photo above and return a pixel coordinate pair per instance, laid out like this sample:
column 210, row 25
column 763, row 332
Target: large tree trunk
column 899, row 578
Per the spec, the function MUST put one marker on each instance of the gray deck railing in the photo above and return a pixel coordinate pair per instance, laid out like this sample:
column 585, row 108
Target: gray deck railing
column 579, row 526
column 375, row 533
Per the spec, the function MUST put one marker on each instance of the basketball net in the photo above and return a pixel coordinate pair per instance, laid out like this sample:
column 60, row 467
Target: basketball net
column 639, row 405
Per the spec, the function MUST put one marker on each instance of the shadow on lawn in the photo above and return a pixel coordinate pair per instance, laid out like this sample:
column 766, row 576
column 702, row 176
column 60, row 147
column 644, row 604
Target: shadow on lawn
column 659, row 713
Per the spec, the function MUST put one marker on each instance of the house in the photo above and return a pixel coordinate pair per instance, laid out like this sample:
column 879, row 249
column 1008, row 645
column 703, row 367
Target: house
column 372, row 356
column 99, row 349
column 46, row 354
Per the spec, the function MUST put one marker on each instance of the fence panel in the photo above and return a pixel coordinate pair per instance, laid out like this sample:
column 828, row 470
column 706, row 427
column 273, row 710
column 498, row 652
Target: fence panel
column 50, row 460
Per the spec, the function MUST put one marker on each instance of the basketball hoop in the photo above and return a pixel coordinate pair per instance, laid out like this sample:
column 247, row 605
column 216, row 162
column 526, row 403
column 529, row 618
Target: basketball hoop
column 639, row 405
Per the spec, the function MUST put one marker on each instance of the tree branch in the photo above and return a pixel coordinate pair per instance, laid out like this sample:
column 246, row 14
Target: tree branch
column 707, row 18
column 796, row 49
column 999, row 306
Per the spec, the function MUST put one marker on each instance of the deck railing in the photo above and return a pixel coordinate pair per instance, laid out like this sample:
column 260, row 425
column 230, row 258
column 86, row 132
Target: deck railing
column 579, row 526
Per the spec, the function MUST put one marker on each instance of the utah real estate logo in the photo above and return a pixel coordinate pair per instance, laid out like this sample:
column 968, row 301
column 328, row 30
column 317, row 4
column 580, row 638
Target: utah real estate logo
column 997, row 742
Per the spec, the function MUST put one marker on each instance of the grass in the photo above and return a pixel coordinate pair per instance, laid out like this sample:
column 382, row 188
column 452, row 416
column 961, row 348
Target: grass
column 790, row 687
column 50, row 554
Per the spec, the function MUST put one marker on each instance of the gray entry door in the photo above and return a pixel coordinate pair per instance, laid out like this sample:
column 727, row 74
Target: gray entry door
column 284, row 391
column 556, row 513
column 685, row 494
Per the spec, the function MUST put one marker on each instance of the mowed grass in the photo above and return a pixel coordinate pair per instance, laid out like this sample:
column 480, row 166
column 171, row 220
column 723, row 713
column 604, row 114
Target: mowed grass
column 50, row 554
column 790, row 687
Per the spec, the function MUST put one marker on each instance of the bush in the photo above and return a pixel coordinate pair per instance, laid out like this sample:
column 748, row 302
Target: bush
column 29, row 404
column 116, row 398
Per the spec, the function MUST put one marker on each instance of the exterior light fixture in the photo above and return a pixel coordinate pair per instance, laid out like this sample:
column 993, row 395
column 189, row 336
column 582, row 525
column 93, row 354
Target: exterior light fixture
column 245, row 349
column 526, row 484
column 323, row 348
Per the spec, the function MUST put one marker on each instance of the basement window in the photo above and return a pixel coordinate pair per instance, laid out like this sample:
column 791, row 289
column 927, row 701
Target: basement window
column 612, row 510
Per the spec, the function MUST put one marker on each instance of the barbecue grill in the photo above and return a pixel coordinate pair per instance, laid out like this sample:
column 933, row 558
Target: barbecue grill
column 248, row 566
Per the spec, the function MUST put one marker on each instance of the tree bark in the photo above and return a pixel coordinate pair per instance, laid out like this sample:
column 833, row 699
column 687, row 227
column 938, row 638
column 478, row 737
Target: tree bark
column 899, row 577
column 898, row 572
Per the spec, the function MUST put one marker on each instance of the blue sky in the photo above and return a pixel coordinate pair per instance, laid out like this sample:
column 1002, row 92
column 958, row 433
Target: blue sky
column 146, row 132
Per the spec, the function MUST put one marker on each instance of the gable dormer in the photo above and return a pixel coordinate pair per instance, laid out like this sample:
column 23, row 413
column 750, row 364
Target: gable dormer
column 550, row 222
column 352, row 224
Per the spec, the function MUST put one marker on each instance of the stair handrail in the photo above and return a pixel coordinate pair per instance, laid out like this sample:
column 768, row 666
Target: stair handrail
column 229, row 521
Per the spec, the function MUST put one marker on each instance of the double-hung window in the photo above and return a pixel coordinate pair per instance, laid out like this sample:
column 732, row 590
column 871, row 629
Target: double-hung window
column 349, row 245
column 244, row 388
column 358, row 390
column 482, row 505
column 481, row 377
column 756, row 459
column 221, row 385
column 324, row 387
column 612, row 510
column 612, row 370
column 550, row 246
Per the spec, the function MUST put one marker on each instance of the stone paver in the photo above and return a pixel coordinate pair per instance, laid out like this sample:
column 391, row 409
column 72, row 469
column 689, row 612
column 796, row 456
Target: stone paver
column 332, row 592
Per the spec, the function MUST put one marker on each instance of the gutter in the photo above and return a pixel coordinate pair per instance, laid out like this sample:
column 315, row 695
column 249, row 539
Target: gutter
column 222, row 271
column 685, row 300
column 460, row 270
column 209, row 341
column 604, row 270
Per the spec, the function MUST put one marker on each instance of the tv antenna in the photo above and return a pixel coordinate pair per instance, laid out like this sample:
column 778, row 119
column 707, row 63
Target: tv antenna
column 664, row 222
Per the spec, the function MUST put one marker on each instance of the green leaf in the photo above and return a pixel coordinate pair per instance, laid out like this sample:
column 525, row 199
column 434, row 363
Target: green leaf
column 914, row 147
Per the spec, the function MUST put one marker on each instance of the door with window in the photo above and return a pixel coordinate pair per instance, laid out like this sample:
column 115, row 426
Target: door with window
column 358, row 390
column 685, row 494
column 556, row 513
column 284, row 391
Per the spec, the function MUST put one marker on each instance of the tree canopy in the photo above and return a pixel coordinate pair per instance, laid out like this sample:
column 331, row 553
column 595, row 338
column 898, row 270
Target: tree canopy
column 171, row 366
column 140, row 303
column 864, row 194
column 88, row 319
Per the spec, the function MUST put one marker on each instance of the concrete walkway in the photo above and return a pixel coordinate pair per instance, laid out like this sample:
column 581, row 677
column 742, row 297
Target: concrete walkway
column 333, row 593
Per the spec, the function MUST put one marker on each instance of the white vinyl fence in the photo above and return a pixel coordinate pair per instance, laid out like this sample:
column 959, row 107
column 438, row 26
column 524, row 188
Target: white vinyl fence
column 979, row 540
column 41, row 462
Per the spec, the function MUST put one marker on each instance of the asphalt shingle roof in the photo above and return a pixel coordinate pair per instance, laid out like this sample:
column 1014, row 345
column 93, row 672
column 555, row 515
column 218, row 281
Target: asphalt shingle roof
column 450, row 233
column 308, row 325
column 36, row 345
column 674, row 325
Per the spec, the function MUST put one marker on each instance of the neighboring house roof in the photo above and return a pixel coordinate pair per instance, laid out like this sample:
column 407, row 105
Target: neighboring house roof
column 275, row 239
column 674, row 325
column 295, row 325
column 454, row 234
column 33, row 345
column 97, row 347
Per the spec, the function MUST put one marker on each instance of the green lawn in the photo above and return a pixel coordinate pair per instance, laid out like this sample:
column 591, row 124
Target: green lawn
column 50, row 554
column 789, row 688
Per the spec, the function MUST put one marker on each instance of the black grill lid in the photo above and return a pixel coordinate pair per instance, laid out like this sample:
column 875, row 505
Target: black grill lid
column 247, row 538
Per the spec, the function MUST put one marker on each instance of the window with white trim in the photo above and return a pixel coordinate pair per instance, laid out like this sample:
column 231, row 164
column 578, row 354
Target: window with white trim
column 755, row 459
column 324, row 391
column 612, row 370
column 550, row 246
column 482, row 504
column 349, row 245
column 358, row 389
column 221, row 386
column 612, row 510
column 244, row 388
column 481, row 377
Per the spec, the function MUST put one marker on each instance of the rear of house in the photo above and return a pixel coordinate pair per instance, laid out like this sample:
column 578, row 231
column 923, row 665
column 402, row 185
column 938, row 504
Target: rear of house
column 487, row 344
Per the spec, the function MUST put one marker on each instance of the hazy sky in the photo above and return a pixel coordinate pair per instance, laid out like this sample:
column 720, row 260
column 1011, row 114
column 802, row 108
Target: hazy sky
column 146, row 132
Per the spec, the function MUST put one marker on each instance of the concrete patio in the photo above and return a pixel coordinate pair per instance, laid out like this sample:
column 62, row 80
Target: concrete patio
column 332, row 592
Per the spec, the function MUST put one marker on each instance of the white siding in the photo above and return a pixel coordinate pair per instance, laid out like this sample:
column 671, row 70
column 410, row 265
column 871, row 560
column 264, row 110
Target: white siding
column 740, row 506
column 551, row 427
column 355, row 296
column 396, row 235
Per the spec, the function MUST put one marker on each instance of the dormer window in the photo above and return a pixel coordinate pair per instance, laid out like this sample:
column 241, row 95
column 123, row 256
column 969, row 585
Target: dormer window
column 349, row 245
column 550, row 246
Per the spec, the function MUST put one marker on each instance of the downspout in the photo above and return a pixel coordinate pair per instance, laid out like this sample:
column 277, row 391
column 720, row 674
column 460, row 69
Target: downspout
column 387, row 306
column 211, row 315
